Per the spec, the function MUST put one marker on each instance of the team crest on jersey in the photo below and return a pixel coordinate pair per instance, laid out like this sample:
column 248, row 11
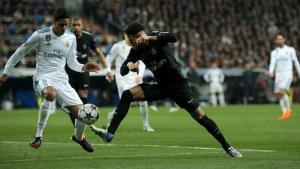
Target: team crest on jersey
column 67, row 44
column 48, row 38
column 84, row 46
column 153, row 51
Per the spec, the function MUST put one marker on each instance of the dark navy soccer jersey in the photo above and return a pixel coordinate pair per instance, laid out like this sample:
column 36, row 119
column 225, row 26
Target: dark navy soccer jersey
column 158, row 58
column 84, row 44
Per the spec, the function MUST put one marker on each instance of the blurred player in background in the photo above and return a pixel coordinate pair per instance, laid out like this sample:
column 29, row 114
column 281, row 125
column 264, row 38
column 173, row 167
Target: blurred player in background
column 119, row 53
column 55, row 47
column 215, row 77
column 282, row 59
column 85, row 41
column 153, row 50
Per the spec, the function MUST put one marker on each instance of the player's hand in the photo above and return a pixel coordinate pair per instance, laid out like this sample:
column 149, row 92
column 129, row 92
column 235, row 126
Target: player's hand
column 109, row 77
column 133, row 66
column 142, row 39
column 91, row 67
column 3, row 78
column 139, row 80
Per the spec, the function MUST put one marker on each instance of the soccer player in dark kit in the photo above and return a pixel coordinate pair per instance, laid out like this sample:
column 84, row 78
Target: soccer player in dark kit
column 85, row 41
column 153, row 50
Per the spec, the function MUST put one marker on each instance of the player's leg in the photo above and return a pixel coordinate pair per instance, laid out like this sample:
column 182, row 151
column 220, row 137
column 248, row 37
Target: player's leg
column 143, row 105
column 281, row 88
column 213, row 95
column 70, row 100
column 48, row 93
column 221, row 95
column 140, row 92
column 184, row 98
column 120, row 86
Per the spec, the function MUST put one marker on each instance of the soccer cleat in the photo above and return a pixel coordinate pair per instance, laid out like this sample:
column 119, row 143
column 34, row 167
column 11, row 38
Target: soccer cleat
column 106, row 136
column 234, row 153
column 285, row 115
column 148, row 129
column 36, row 142
column 84, row 144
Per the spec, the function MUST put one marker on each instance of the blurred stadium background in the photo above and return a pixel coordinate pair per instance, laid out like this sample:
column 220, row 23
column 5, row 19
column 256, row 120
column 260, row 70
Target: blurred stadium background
column 237, row 34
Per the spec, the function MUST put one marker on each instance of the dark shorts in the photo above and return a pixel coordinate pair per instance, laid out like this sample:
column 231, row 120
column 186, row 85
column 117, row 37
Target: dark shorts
column 78, row 80
column 180, row 93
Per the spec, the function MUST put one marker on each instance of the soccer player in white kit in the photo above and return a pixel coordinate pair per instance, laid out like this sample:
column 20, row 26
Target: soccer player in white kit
column 281, row 66
column 54, row 48
column 119, row 53
column 215, row 77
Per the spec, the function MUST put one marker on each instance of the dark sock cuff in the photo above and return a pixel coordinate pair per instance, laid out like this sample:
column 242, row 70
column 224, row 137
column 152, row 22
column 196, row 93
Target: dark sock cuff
column 84, row 100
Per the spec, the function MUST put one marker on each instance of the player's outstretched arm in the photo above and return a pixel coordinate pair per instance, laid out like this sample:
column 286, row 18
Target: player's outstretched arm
column 296, row 62
column 90, row 67
column 164, row 37
column 130, row 63
column 29, row 45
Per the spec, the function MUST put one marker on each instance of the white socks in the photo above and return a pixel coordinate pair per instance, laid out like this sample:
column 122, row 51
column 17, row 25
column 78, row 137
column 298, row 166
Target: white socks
column 110, row 116
column 46, row 109
column 285, row 104
column 79, row 129
column 144, row 112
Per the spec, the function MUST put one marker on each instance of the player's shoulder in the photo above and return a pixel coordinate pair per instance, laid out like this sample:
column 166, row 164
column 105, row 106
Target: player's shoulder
column 44, row 30
column 70, row 34
column 290, row 48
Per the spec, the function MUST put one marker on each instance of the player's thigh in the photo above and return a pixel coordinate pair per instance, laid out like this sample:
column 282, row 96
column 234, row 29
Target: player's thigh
column 282, row 84
column 152, row 91
column 184, row 97
column 67, row 96
column 45, row 88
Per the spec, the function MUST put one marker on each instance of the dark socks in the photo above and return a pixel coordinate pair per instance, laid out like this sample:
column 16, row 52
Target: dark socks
column 72, row 118
column 121, row 111
column 213, row 129
column 84, row 100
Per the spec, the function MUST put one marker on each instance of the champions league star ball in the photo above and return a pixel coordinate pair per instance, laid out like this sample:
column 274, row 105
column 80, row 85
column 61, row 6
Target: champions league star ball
column 88, row 114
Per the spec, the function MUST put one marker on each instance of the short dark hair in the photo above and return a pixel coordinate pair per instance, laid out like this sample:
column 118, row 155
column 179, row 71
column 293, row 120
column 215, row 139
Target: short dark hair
column 133, row 28
column 279, row 34
column 60, row 13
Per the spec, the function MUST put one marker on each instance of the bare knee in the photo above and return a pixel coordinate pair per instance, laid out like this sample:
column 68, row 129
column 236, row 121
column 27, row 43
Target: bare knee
column 198, row 113
column 49, row 93
column 137, row 93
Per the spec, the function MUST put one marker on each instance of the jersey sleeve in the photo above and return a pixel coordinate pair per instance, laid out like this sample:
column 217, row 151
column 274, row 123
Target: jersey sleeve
column 206, row 76
column 111, row 56
column 132, row 57
column 221, row 76
column 93, row 43
column 296, row 61
column 272, row 63
column 164, row 37
column 31, row 44
column 142, row 68
column 71, row 58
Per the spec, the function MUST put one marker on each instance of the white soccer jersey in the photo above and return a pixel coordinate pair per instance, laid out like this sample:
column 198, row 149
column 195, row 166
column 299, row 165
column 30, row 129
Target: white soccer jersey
column 52, row 52
column 214, row 76
column 119, row 53
column 282, row 60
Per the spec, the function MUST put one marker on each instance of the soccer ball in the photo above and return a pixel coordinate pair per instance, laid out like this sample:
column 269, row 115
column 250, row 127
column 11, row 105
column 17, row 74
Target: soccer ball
column 88, row 114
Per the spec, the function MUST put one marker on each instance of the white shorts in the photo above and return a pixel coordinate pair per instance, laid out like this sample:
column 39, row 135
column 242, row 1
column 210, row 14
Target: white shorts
column 215, row 88
column 65, row 94
column 124, row 85
column 282, row 82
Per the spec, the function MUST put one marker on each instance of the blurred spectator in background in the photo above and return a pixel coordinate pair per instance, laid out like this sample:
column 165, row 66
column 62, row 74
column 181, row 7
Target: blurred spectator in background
column 215, row 77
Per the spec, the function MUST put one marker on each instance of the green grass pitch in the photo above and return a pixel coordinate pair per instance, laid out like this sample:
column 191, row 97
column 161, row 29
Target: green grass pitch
column 177, row 143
